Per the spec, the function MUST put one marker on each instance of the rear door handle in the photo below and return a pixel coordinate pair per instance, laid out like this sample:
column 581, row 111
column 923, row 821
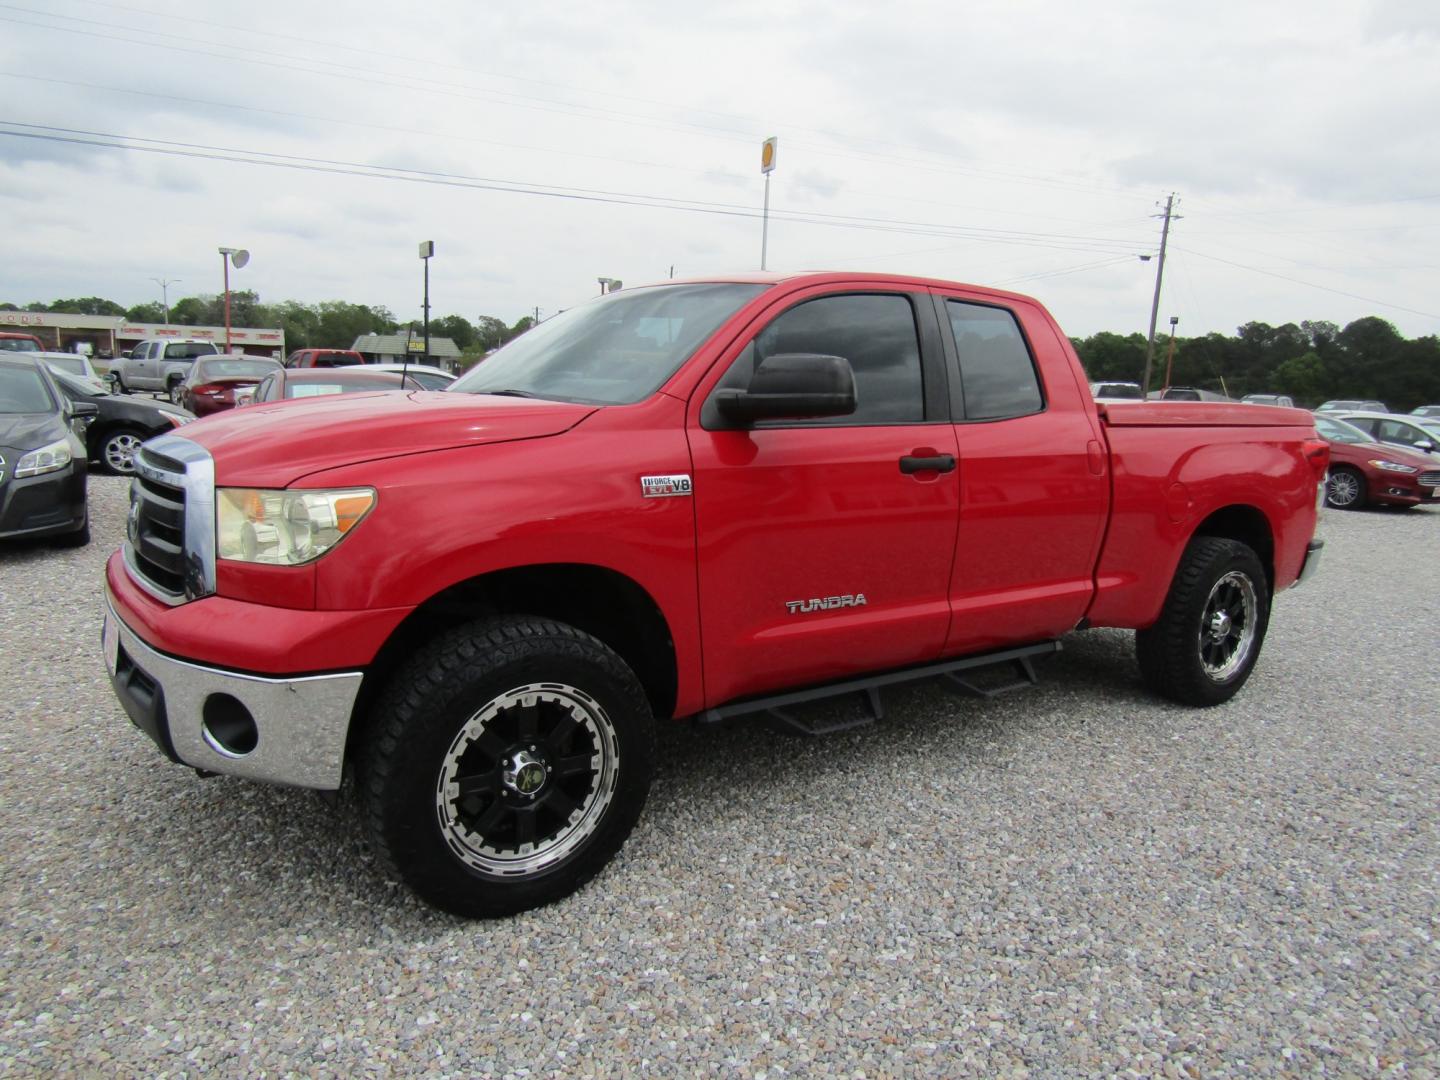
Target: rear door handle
column 938, row 463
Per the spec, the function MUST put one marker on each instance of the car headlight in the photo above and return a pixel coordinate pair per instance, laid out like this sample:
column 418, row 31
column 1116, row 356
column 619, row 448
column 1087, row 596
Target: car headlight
column 285, row 528
column 176, row 419
column 1393, row 466
column 50, row 458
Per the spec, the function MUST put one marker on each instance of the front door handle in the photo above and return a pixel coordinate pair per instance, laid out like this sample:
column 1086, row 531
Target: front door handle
column 938, row 463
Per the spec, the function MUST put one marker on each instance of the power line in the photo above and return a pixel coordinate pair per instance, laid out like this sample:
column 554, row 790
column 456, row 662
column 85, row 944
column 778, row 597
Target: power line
column 308, row 65
column 110, row 140
column 1311, row 284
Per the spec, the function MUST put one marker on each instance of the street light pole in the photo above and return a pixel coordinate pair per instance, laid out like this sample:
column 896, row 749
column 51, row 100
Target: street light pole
column 427, row 249
column 238, row 256
column 1170, row 353
column 767, row 165
column 165, row 284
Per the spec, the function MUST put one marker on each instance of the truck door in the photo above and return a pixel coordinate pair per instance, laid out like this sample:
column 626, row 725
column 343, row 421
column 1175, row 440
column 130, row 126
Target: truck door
column 1034, row 477
column 824, row 546
column 141, row 366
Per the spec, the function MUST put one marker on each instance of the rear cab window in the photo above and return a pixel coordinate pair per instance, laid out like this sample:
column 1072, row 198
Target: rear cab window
column 998, row 380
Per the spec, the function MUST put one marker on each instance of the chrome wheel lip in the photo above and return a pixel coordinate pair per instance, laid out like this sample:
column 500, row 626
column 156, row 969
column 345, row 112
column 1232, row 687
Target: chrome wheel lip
column 1228, row 626
column 120, row 450
column 1343, row 484
column 473, row 849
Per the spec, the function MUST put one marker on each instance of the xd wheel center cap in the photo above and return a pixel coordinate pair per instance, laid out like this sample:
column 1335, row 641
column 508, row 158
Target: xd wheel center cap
column 525, row 774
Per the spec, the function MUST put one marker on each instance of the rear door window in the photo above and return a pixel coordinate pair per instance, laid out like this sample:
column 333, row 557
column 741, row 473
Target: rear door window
column 997, row 373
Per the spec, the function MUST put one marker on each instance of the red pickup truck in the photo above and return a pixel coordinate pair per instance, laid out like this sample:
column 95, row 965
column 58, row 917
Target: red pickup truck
column 695, row 500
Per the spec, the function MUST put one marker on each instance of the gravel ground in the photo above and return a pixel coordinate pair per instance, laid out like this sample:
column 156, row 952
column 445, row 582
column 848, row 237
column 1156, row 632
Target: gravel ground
column 1076, row 880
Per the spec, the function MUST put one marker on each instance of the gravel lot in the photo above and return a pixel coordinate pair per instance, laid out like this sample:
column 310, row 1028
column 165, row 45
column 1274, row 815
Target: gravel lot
column 1076, row 880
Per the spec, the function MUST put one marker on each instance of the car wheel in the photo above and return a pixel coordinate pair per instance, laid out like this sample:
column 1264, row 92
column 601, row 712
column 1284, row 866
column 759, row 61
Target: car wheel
column 117, row 452
column 506, row 764
column 175, row 393
column 1345, row 488
column 1208, row 637
column 120, row 387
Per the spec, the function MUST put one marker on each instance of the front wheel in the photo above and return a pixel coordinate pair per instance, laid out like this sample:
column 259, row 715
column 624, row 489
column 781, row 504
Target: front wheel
column 506, row 764
column 1208, row 637
column 1345, row 488
column 118, row 451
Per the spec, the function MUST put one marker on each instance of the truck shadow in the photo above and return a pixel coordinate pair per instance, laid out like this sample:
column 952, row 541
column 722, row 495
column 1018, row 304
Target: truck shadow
column 259, row 838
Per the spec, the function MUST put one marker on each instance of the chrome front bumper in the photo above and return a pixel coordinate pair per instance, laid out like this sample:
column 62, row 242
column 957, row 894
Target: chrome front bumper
column 1312, row 561
column 300, row 724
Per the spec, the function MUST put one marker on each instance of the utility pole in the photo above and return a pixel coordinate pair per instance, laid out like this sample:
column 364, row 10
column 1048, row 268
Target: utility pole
column 165, row 284
column 1170, row 352
column 537, row 317
column 1155, row 303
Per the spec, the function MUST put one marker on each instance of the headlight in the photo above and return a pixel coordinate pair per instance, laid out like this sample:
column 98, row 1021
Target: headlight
column 1393, row 466
column 285, row 528
column 176, row 419
column 50, row 458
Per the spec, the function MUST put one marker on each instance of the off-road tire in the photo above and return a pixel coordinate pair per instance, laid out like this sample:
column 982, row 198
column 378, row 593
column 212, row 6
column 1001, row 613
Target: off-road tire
column 447, row 688
column 1172, row 653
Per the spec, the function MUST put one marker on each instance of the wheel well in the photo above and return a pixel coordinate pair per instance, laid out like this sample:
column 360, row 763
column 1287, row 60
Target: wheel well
column 600, row 602
column 1249, row 526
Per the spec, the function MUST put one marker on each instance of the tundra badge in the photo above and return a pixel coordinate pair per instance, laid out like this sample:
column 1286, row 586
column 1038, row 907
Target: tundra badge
column 824, row 603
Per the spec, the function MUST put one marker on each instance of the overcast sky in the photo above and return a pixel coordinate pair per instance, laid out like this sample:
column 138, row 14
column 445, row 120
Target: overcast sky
column 1022, row 143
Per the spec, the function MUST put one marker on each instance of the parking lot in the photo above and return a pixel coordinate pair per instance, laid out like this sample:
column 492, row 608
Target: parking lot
column 1073, row 880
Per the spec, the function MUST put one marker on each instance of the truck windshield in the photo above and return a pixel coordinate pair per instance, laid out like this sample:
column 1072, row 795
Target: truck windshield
column 615, row 350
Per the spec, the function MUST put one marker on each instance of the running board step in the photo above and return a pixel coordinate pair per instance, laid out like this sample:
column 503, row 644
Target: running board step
column 776, row 707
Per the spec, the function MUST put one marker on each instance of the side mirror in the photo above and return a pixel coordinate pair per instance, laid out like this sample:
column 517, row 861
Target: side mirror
column 1426, row 445
column 84, row 410
column 792, row 386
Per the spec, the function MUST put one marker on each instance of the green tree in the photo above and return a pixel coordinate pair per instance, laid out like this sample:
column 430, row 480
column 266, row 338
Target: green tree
column 457, row 328
column 1112, row 357
column 491, row 332
column 151, row 312
column 341, row 322
column 1305, row 378
column 521, row 326
column 87, row 305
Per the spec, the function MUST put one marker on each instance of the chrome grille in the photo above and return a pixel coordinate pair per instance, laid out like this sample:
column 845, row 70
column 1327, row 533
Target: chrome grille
column 170, row 531
column 1430, row 478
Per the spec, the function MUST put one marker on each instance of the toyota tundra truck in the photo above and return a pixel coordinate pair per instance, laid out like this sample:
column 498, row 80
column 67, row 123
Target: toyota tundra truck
column 696, row 500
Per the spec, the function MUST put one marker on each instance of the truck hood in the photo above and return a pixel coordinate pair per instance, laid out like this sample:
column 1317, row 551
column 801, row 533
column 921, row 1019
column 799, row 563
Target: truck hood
column 275, row 444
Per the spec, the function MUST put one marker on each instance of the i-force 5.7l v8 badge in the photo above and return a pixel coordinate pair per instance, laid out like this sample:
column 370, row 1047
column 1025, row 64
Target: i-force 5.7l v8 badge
column 661, row 487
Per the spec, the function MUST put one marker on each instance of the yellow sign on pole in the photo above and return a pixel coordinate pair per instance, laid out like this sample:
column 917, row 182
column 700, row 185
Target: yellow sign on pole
column 767, row 154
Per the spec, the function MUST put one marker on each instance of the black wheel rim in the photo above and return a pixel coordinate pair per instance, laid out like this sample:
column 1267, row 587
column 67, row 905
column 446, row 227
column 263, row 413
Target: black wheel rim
column 527, row 779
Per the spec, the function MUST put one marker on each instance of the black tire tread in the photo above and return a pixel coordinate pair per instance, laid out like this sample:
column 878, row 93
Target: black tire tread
column 424, row 680
column 1166, row 651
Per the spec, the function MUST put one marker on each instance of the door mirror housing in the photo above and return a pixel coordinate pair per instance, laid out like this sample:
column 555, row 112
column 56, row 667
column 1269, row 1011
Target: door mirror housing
column 1426, row 445
column 84, row 410
column 791, row 386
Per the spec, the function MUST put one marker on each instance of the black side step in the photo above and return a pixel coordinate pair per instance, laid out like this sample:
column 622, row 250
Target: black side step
column 869, row 686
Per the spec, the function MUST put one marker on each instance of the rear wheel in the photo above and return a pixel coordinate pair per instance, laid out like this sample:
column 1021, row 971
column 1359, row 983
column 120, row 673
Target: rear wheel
column 174, row 392
column 1345, row 488
column 507, row 764
column 117, row 451
column 1208, row 637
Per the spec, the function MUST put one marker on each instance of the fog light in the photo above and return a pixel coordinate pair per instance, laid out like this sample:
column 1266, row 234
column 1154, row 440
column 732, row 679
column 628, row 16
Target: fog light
column 228, row 726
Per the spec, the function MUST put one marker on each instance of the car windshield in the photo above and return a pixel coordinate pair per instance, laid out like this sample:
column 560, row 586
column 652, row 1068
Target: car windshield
column 18, row 345
column 23, row 390
column 75, row 365
column 235, row 369
column 615, row 350
column 80, row 384
column 1339, row 431
column 1431, row 429
column 319, row 389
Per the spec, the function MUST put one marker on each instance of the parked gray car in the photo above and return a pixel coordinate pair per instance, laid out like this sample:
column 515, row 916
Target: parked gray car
column 159, row 366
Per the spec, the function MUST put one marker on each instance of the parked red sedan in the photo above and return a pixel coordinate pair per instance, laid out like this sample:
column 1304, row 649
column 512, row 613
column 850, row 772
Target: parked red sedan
column 213, row 380
column 1364, row 472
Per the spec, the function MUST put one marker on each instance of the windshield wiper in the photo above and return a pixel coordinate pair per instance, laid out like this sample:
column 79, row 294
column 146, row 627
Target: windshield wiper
column 508, row 393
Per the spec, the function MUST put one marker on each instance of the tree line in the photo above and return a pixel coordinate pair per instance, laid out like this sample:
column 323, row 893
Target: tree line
column 1312, row 362
column 330, row 324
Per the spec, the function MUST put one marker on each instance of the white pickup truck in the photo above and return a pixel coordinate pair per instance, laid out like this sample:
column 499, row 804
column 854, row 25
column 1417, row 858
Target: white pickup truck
column 159, row 366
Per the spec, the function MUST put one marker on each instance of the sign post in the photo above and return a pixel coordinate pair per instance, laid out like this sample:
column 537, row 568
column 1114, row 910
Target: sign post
column 767, row 166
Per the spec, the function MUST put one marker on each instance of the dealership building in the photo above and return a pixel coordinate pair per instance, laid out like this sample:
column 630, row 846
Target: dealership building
column 110, row 335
